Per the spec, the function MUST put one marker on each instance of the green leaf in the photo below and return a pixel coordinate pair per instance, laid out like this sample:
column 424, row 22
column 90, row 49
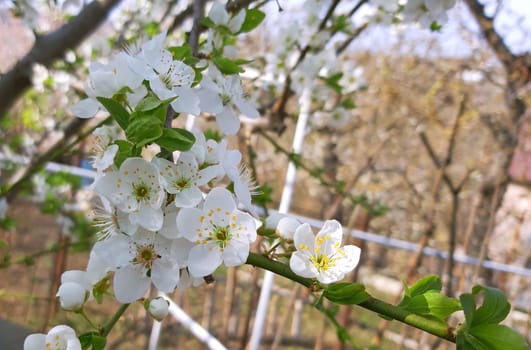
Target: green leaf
column 143, row 130
column 498, row 337
column 147, row 104
column 348, row 103
column 425, row 284
column 125, row 150
column 184, row 53
column 333, row 82
column 253, row 18
column 207, row 22
column 494, row 308
column 92, row 339
column 431, row 303
column 346, row 293
column 227, row 66
column 116, row 110
column 468, row 303
column 176, row 140
column 340, row 24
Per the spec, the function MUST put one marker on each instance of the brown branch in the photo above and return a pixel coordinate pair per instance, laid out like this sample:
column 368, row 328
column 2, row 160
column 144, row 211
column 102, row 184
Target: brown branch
column 495, row 41
column 199, row 13
column 49, row 48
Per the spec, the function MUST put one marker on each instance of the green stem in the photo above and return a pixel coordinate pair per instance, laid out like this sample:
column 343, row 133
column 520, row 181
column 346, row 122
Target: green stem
column 84, row 315
column 437, row 328
column 110, row 323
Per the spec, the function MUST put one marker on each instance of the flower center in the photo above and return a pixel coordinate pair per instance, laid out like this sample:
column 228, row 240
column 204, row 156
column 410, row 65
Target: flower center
column 225, row 99
column 145, row 255
column 166, row 80
column 181, row 183
column 321, row 262
column 222, row 235
column 141, row 192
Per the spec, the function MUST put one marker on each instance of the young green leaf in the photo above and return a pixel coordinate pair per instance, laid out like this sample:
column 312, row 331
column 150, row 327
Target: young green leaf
column 498, row 337
column 148, row 103
column 495, row 306
column 346, row 293
column 143, row 130
column 116, row 110
column 227, row 66
column 425, row 284
column 253, row 18
column 333, row 82
column 468, row 303
column 431, row 303
column 176, row 140
column 125, row 150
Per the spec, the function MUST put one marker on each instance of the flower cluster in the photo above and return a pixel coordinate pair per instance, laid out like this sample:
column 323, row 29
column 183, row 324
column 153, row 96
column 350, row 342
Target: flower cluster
column 169, row 221
column 428, row 13
column 149, row 69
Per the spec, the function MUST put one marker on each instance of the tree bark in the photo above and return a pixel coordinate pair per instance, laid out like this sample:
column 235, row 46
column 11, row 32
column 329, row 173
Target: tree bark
column 49, row 48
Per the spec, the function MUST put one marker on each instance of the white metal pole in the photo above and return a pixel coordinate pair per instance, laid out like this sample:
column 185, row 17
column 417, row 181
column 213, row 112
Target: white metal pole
column 195, row 328
column 155, row 335
column 285, row 202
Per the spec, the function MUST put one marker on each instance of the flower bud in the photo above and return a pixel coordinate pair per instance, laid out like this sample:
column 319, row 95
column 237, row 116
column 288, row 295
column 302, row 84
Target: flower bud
column 158, row 308
column 72, row 296
column 287, row 226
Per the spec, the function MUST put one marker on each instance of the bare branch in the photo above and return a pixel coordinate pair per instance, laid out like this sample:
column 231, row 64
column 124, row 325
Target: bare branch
column 49, row 48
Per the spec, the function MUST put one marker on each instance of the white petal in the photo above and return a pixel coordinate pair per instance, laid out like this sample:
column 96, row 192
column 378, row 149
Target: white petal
column 188, row 220
column 246, row 108
column 287, row 226
column 207, row 174
column 105, row 186
column 149, row 218
column 330, row 276
column 236, row 253
column 304, row 238
column 301, row 265
column 114, row 250
column 351, row 259
column 180, row 248
column 209, row 101
column 188, row 198
column 235, row 23
column 219, row 198
column 160, row 89
column 330, row 237
column 165, row 275
column 204, row 259
column 86, row 108
column 186, row 102
column 243, row 194
column 227, row 121
column 169, row 229
column 130, row 284
column 35, row 341
column 218, row 14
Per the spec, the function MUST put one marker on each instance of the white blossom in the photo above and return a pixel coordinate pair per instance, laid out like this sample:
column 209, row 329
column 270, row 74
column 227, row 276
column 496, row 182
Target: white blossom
column 183, row 179
column 221, row 95
column 138, row 261
column 135, row 189
column 221, row 233
column 60, row 337
column 321, row 256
